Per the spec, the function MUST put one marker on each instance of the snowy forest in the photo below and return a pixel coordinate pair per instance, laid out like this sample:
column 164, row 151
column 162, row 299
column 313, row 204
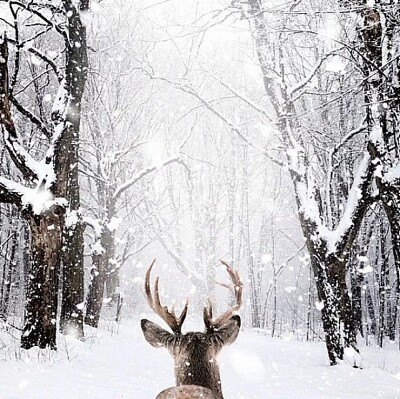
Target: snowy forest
column 235, row 161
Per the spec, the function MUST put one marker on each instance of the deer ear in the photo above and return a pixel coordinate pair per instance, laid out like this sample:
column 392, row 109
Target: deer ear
column 228, row 332
column 155, row 335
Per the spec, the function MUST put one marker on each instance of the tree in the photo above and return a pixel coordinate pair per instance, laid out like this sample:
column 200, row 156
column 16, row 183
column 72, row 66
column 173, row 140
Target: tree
column 49, row 197
column 377, row 51
column 328, row 238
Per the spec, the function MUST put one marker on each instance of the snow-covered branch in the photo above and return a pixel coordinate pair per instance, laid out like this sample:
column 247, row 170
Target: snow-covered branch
column 187, row 88
column 309, row 77
column 140, row 175
column 357, row 203
column 11, row 192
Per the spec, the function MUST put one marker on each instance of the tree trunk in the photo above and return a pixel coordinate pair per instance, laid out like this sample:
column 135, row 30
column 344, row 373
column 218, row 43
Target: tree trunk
column 96, row 292
column 10, row 274
column 328, row 295
column 41, row 302
column 371, row 319
column 104, row 275
column 71, row 318
column 356, row 280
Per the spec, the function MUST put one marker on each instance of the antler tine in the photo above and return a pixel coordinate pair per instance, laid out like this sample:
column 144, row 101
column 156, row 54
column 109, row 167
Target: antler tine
column 237, row 284
column 207, row 315
column 147, row 289
column 224, row 317
column 154, row 301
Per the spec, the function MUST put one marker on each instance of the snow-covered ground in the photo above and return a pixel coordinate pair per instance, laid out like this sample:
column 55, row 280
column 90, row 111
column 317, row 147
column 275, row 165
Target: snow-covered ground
column 120, row 364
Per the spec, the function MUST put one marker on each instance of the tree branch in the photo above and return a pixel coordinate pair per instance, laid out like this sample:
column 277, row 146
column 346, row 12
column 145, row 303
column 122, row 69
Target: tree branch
column 22, row 160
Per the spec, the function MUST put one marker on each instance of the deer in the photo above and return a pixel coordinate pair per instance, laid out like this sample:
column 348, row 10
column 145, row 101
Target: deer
column 195, row 353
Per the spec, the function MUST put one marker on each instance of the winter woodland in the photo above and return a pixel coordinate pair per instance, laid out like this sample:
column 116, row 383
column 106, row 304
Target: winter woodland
column 260, row 133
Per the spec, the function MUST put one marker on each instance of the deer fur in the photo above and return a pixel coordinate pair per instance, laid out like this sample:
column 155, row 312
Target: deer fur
column 186, row 392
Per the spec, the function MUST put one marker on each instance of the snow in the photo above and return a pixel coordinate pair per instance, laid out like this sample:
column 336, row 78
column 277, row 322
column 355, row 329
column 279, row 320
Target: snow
column 95, row 224
column 97, row 248
column 393, row 174
column 336, row 64
column 117, row 363
column 266, row 258
column 311, row 210
column 114, row 223
column 40, row 199
column 72, row 218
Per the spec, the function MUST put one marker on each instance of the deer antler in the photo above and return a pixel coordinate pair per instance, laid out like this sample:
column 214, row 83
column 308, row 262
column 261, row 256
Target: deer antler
column 175, row 323
column 224, row 317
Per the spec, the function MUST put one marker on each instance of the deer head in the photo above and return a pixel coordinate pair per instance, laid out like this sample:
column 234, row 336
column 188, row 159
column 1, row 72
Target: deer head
column 194, row 353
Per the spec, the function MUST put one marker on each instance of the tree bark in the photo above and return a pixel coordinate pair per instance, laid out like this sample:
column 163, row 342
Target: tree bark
column 60, row 182
column 96, row 291
column 42, row 296
column 71, row 319
column 103, row 276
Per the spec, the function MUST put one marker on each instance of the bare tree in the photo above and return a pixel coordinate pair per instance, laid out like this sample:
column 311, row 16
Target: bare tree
column 49, row 197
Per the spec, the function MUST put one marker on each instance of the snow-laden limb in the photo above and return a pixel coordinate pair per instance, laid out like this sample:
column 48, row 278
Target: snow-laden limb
column 11, row 191
column 46, row 59
column 97, row 248
column 22, row 159
column 308, row 205
column 184, row 86
column 392, row 175
column 38, row 199
column 363, row 126
column 95, row 224
column 41, row 199
column 356, row 200
column 32, row 117
column 140, row 175
column 26, row 164
column 36, row 9
column 329, row 172
column 310, row 76
column 60, row 110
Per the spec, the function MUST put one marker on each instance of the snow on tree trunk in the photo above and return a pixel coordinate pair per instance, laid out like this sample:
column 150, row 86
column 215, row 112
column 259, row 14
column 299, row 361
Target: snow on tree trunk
column 103, row 275
column 42, row 295
column 48, row 186
column 71, row 320
column 328, row 247
column 379, row 36
column 71, row 317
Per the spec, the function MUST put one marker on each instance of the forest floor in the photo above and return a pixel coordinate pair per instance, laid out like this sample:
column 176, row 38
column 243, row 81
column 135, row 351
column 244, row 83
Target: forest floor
column 112, row 364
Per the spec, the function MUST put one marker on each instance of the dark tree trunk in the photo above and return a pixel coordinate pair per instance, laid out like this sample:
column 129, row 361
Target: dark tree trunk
column 71, row 318
column 71, row 321
column 104, row 275
column 383, row 283
column 96, row 291
column 328, row 295
column 10, row 274
column 371, row 321
column 356, row 281
column 42, row 296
